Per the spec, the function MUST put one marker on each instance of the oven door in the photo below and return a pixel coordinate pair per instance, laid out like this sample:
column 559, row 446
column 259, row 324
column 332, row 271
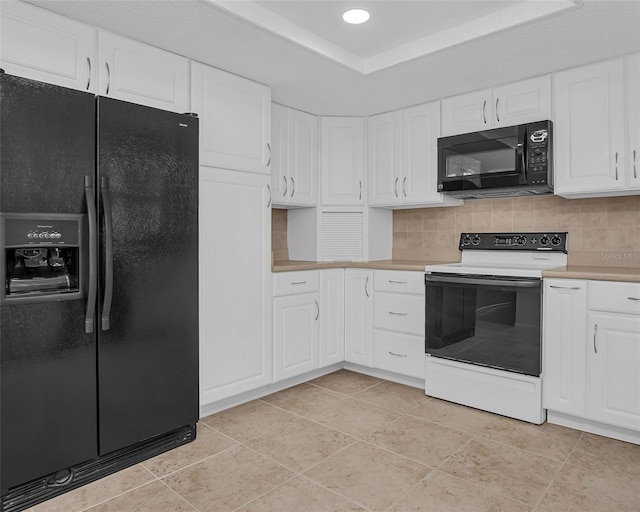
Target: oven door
column 485, row 320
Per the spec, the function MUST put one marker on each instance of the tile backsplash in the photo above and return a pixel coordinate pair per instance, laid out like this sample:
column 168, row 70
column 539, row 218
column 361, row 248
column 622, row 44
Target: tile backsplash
column 602, row 231
column 279, row 246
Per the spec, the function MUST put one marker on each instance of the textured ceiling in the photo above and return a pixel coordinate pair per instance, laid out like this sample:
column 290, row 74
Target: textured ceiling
column 303, row 79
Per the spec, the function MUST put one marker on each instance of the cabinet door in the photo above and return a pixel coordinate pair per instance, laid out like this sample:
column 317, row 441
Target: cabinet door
column 466, row 113
column 359, row 317
column 613, row 387
column 563, row 342
column 633, row 120
column 279, row 175
column 139, row 73
column 295, row 335
column 302, row 158
column 43, row 46
column 235, row 124
column 420, row 132
column 331, row 316
column 342, row 160
column 589, row 128
column 522, row 102
column 385, row 159
column 235, row 283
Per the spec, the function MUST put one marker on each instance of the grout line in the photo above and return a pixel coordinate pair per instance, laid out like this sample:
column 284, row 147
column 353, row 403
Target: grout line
column 180, row 495
column 198, row 461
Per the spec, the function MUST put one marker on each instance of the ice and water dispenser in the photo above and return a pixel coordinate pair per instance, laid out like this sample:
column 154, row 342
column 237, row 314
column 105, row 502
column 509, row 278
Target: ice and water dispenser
column 41, row 257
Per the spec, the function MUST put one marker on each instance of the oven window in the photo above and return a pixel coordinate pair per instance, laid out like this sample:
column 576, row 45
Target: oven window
column 475, row 159
column 490, row 325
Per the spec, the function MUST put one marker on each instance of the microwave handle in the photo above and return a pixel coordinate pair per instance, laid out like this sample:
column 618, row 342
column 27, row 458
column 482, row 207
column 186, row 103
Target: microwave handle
column 521, row 152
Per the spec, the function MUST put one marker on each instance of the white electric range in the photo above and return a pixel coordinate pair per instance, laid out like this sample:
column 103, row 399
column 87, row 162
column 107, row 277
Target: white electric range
column 483, row 332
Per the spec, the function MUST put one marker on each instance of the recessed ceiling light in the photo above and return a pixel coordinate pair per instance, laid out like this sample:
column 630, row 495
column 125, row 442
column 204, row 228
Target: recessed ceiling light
column 355, row 16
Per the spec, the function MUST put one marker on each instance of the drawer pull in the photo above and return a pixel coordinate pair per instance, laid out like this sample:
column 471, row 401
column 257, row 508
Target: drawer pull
column 397, row 355
column 397, row 282
column 565, row 287
column 398, row 314
column 297, row 283
column 637, row 299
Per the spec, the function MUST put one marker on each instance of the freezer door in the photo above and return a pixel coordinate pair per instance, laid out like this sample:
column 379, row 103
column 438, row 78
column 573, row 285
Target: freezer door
column 148, row 300
column 48, row 413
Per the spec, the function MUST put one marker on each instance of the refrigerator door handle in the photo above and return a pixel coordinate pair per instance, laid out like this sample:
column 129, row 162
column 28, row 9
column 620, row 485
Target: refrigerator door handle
column 93, row 254
column 108, row 262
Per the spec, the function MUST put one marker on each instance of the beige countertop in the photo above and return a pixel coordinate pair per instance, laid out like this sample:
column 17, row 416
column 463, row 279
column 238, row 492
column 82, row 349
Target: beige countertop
column 629, row 274
column 289, row 266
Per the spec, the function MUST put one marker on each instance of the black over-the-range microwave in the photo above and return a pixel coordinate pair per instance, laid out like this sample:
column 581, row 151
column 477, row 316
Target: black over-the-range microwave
column 502, row 162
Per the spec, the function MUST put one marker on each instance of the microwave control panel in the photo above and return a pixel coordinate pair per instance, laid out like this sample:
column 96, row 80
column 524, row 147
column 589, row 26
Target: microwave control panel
column 538, row 152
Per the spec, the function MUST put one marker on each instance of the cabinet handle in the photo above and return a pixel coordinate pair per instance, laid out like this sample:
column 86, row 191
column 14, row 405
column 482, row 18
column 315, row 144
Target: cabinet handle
column 404, row 184
column 484, row 112
column 395, row 187
column 269, row 148
column 286, row 186
column 616, row 166
column 293, row 186
column 635, row 171
column 295, row 283
column 360, row 193
column 318, row 308
column 366, row 283
column 398, row 314
column 397, row 355
column 397, row 282
column 595, row 332
column 89, row 69
column 108, row 77
column 634, row 298
column 497, row 115
column 565, row 287
column 269, row 189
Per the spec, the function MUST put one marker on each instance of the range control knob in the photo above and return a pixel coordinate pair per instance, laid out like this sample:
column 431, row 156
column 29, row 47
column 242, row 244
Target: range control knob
column 521, row 240
column 475, row 240
column 466, row 240
column 544, row 240
column 556, row 240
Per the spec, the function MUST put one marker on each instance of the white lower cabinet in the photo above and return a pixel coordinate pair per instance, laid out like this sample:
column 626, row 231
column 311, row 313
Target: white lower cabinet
column 235, row 284
column 564, row 350
column 331, row 344
column 295, row 323
column 591, row 346
column 398, row 334
column 358, row 345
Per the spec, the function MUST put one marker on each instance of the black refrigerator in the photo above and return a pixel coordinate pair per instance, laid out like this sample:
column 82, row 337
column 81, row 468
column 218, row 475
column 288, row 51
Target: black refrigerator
column 99, row 294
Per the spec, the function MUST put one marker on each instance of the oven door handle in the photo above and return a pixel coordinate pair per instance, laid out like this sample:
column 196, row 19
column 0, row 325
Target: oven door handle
column 515, row 283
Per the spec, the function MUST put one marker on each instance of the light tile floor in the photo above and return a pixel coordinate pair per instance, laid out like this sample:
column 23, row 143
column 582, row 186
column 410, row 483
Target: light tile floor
column 350, row 442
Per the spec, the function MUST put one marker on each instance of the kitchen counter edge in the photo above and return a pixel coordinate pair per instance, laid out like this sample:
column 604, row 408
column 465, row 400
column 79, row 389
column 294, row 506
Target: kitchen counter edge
column 594, row 273
column 292, row 266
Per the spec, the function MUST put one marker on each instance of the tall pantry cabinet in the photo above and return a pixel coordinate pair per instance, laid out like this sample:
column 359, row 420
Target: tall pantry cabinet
column 235, row 233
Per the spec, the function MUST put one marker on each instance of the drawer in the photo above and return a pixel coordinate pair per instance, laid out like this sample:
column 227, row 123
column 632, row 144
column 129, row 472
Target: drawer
column 399, row 312
column 291, row 283
column 399, row 353
column 399, row 281
column 614, row 297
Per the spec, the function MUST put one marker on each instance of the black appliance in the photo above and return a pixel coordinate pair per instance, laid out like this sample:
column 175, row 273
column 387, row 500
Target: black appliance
column 99, row 293
column 503, row 162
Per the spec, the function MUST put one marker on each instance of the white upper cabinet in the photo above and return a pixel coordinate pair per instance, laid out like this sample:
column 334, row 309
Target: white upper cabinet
column 302, row 158
column 506, row 105
column 132, row 71
column 385, row 158
column 342, row 161
column 633, row 120
column 235, row 120
column 403, row 158
column 294, row 162
column 43, row 46
column 591, row 156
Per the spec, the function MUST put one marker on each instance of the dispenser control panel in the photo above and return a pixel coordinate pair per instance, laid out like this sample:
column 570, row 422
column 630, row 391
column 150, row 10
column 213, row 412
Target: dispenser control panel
column 41, row 232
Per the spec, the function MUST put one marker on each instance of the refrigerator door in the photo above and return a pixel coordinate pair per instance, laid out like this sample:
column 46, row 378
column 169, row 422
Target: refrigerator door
column 148, row 303
column 48, row 414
